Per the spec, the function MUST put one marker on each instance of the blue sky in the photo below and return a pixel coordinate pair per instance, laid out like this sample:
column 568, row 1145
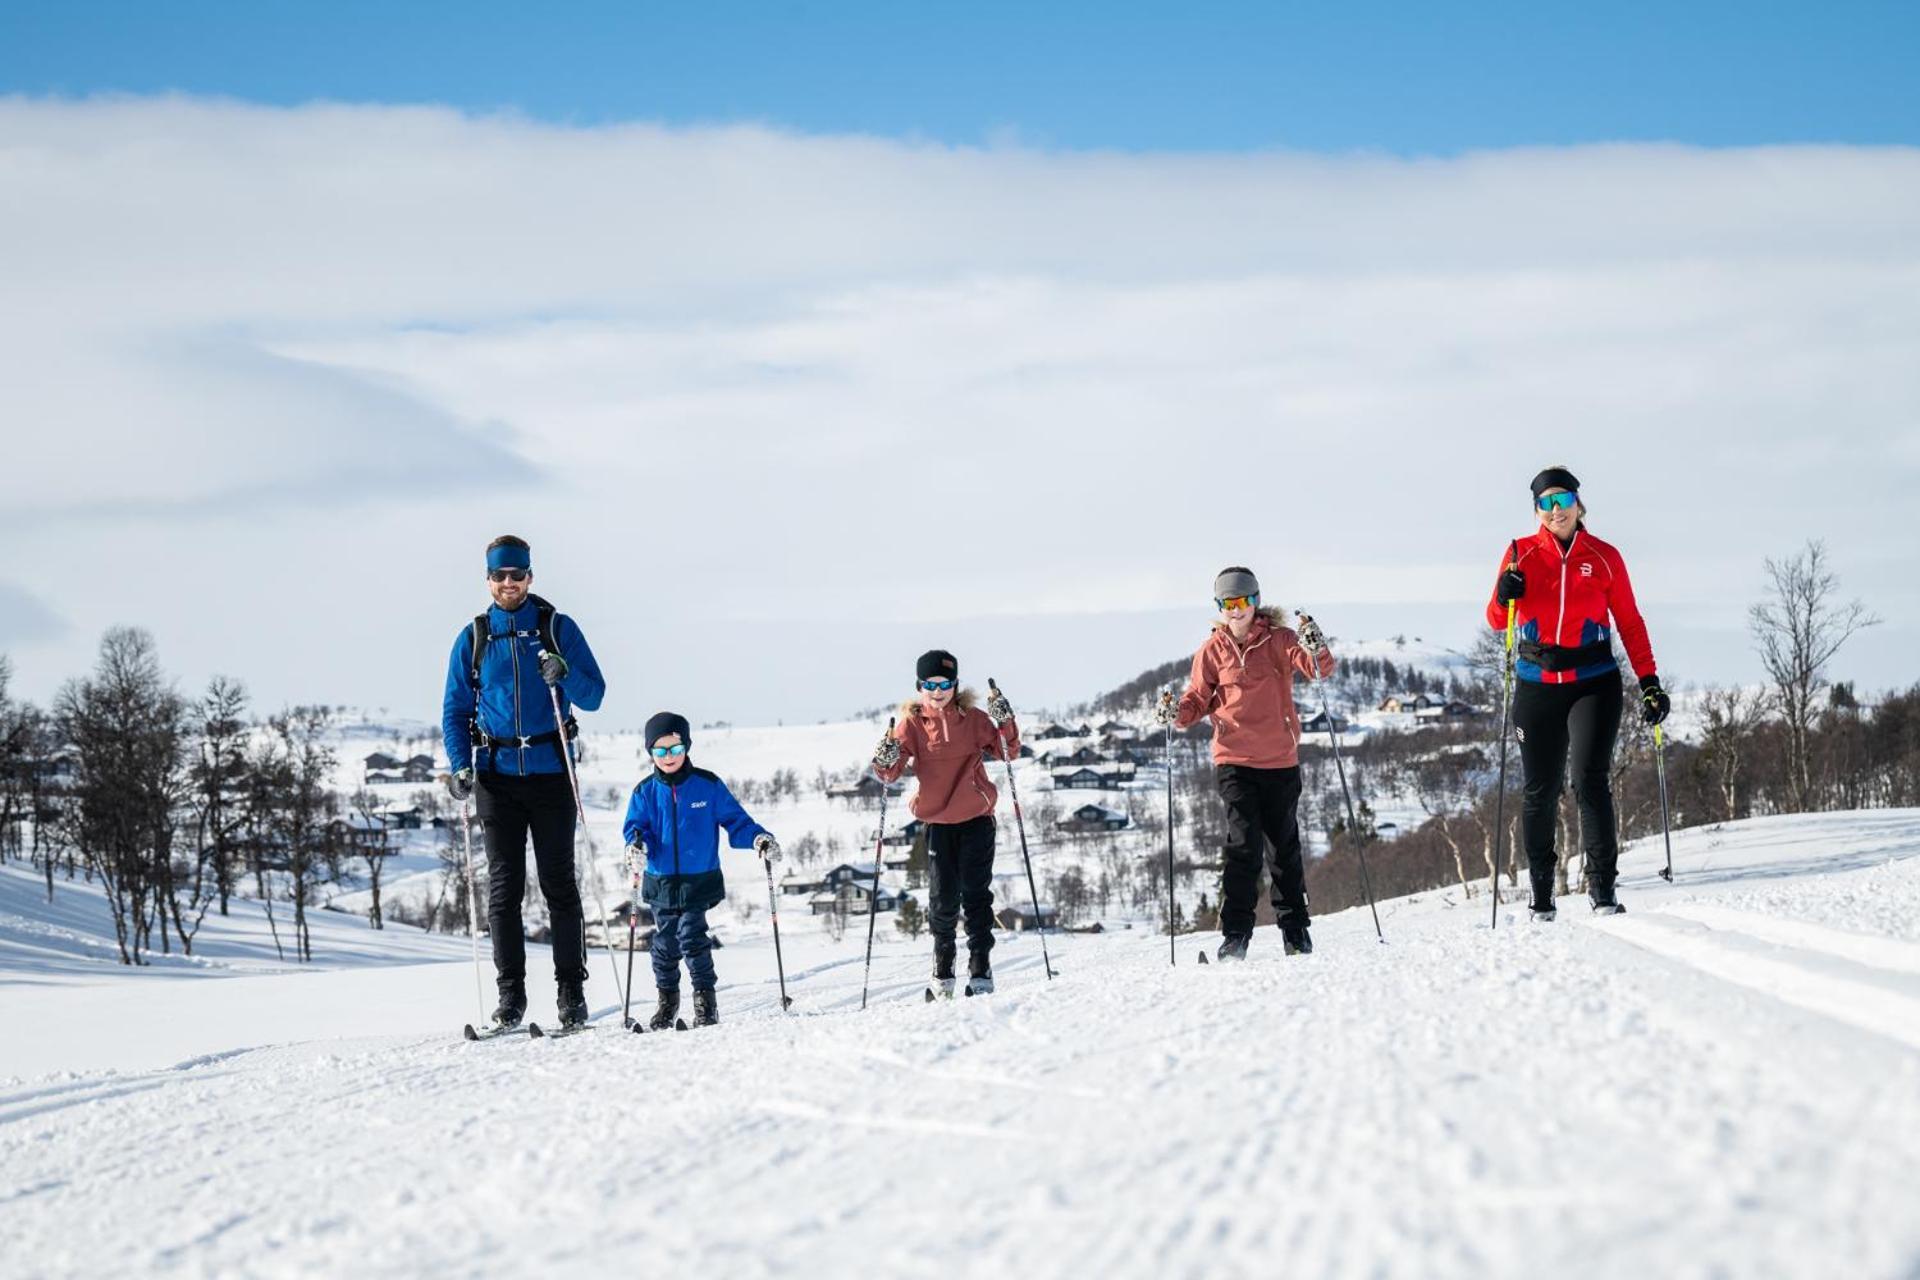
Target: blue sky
column 1403, row 78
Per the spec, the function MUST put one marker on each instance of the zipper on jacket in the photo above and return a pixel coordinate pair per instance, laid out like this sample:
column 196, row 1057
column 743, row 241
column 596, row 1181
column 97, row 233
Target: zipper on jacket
column 673, row 794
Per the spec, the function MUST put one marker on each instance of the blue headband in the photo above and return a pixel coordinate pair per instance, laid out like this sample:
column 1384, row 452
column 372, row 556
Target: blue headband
column 508, row 556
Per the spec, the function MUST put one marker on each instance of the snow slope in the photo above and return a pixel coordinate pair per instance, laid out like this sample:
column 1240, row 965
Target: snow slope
column 1724, row 1082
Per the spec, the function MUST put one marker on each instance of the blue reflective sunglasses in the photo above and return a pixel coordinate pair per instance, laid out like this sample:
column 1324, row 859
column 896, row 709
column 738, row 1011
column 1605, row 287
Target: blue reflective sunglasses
column 662, row 753
column 1556, row 501
column 938, row 686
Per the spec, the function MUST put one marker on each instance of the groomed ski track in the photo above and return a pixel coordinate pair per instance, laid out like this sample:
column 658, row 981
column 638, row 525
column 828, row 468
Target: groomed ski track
column 1724, row 1081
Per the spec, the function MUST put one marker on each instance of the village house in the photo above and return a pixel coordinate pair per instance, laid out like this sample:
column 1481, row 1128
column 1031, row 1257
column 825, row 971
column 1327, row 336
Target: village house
column 1095, row 817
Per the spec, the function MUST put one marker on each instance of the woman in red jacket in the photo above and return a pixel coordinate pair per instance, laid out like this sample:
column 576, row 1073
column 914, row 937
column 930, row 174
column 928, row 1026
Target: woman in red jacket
column 1242, row 678
column 946, row 738
column 1565, row 585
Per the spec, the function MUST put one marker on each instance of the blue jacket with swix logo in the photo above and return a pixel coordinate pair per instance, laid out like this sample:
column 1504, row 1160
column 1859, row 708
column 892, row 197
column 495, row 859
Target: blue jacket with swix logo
column 512, row 701
column 679, row 822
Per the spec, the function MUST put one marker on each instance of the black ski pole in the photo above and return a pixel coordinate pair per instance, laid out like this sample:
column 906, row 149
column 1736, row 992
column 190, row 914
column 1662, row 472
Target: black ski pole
column 873, row 903
column 1173, row 958
column 1666, row 829
column 773, row 909
column 593, row 857
column 1020, row 824
column 1506, row 710
column 1353, row 823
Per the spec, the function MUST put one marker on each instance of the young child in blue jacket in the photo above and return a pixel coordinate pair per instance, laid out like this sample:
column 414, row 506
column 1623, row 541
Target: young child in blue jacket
column 674, row 821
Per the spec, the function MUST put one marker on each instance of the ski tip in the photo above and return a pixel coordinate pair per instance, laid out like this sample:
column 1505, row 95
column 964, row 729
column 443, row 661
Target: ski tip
column 1203, row 958
column 533, row 1029
column 469, row 1032
column 637, row 1027
column 679, row 1024
column 930, row 995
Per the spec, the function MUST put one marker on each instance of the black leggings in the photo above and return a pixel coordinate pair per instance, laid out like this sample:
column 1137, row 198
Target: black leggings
column 1550, row 719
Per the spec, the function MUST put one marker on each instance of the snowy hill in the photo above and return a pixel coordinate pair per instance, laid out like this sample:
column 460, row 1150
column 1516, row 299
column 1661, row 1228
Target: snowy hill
column 1725, row 1081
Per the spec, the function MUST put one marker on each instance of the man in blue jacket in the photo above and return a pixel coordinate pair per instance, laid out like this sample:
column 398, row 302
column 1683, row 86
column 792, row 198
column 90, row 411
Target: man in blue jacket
column 505, row 752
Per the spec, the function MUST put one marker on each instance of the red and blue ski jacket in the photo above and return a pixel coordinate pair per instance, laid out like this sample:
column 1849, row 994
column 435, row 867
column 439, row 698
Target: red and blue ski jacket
column 1561, row 631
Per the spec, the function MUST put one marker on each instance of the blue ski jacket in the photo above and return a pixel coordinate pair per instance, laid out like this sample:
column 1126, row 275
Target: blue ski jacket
column 679, row 824
column 511, row 704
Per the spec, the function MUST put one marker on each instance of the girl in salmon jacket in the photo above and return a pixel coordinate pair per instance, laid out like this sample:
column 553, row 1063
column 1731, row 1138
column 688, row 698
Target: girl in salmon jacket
column 1242, row 678
column 945, row 737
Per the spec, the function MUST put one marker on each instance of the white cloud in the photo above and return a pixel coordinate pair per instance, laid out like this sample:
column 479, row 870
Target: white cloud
column 748, row 390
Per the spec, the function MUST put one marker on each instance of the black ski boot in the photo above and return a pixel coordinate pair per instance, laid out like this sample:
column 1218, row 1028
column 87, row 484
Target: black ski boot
column 1542, row 906
column 979, row 973
column 1298, row 941
column 944, row 953
column 512, row 1006
column 573, row 1004
column 666, row 1010
column 706, row 1007
column 1604, row 903
column 1233, row 946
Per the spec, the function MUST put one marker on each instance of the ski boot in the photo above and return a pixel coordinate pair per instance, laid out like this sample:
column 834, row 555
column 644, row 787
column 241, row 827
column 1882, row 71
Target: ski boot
column 1605, row 904
column 512, row 1006
column 979, row 974
column 1298, row 941
column 1233, row 946
column 573, row 1004
column 944, row 953
column 1542, row 907
column 666, row 1010
column 706, row 1007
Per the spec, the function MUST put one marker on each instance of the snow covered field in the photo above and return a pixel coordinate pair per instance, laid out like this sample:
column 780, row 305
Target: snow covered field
column 1725, row 1081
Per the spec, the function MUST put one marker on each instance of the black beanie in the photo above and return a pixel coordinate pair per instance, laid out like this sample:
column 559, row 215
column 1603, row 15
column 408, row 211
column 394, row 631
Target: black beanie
column 665, row 722
column 1555, row 478
column 937, row 664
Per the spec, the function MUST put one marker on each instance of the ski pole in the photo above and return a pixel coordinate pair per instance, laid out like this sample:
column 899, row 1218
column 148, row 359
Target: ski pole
column 1353, row 823
column 580, row 812
column 473, row 908
column 773, row 909
column 1020, row 824
column 1506, row 710
column 1172, row 954
column 1666, row 829
column 633, row 926
column 873, row 903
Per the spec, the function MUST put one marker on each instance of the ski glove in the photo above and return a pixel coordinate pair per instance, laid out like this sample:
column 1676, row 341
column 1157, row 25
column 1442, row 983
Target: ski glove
column 767, row 847
column 1512, row 585
column 887, row 754
column 999, row 710
column 1654, row 703
column 553, row 667
column 636, row 858
column 460, row 784
column 1166, row 709
column 1310, row 634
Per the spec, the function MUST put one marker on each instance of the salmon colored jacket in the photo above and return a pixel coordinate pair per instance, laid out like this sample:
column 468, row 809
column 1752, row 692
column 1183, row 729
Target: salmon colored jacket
column 1249, row 692
column 946, row 750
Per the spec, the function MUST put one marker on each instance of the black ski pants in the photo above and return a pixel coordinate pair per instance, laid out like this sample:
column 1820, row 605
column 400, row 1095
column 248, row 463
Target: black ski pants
column 1553, row 721
column 1263, row 807
column 540, row 804
column 960, row 882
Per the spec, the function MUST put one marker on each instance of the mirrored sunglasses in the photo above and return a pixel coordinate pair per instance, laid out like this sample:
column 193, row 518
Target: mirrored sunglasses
column 1556, row 501
column 509, row 575
column 938, row 686
column 665, row 753
column 1238, row 602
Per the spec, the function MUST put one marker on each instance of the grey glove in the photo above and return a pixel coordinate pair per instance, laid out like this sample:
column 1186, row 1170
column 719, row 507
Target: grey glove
column 1311, row 637
column 553, row 667
column 767, row 847
column 999, row 710
column 636, row 858
column 460, row 783
column 1166, row 710
column 887, row 754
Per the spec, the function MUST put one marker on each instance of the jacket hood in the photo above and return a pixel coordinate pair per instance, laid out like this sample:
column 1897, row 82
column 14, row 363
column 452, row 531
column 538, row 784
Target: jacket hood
column 962, row 701
column 1273, row 613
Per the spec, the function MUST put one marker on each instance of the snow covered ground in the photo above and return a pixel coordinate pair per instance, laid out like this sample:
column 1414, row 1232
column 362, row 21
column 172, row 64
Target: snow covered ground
column 1725, row 1081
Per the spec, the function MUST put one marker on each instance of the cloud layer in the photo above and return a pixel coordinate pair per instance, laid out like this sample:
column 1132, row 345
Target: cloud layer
column 770, row 403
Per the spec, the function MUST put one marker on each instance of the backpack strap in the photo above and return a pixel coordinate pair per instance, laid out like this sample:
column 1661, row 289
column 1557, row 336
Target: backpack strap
column 482, row 632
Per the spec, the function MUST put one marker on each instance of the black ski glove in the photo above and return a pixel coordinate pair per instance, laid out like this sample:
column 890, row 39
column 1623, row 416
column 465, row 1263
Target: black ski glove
column 1654, row 703
column 1512, row 585
column 460, row 784
column 553, row 667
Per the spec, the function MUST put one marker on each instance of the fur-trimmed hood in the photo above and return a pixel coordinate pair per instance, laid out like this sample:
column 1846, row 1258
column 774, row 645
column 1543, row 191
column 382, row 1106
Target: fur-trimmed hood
column 963, row 701
column 1273, row 613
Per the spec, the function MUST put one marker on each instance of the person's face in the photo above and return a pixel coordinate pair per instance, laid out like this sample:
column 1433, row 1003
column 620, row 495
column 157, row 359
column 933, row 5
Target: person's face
column 933, row 695
column 1560, row 520
column 509, row 587
column 1238, row 612
column 675, row 758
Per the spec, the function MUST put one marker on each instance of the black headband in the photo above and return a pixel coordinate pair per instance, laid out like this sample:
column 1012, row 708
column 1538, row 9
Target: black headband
column 1555, row 478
